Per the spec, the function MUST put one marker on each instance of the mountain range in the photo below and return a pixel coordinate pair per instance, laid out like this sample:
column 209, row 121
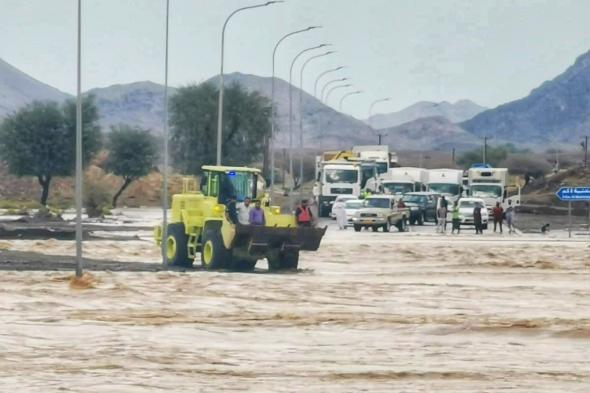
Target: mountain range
column 558, row 111
column 459, row 111
column 18, row 89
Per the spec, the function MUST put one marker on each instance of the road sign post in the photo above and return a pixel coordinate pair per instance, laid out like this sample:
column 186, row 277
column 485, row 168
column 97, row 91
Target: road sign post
column 573, row 194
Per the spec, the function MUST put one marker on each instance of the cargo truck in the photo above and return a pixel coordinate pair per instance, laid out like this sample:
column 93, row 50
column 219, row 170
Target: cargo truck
column 334, row 178
column 447, row 182
column 399, row 181
column 490, row 184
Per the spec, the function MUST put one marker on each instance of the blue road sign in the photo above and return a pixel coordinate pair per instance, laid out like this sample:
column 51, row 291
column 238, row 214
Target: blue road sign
column 572, row 194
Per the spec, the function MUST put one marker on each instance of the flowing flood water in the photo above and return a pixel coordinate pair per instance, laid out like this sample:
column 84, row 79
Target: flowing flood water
column 368, row 312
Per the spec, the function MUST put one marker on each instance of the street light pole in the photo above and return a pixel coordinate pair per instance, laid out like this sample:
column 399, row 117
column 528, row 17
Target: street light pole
column 371, row 114
column 317, row 80
column 348, row 95
column 335, row 88
column 272, row 105
column 330, row 83
column 79, row 168
column 300, row 111
column 291, row 105
column 165, row 128
column 485, row 149
column 221, row 86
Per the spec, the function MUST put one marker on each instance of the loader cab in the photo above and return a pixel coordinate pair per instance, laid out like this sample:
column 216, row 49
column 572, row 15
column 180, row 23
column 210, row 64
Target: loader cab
column 224, row 182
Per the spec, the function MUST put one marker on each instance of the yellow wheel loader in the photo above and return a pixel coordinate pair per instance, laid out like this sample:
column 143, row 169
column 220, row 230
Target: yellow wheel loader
column 199, row 225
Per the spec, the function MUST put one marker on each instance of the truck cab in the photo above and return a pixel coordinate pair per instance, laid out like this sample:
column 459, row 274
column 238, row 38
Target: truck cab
column 336, row 178
column 447, row 182
column 490, row 185
column 402, row 180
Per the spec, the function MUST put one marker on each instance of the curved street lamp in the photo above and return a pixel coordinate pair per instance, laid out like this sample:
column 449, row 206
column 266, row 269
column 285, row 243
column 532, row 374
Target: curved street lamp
column 371, row 113
column 220, row 104
column 335, row 88
column 315, row 85
column 272, row 105
column 300, row 111
column 330, row 83
column 348, row 95
column 297, row 56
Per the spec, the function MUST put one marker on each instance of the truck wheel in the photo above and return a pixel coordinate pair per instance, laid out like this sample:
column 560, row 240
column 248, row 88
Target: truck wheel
column 374, row 228
column 213, row 252
column 386, row 226
column 176, row 246
column 421, row 219
column 283, row 261
column 401, row 225
column 243, row 265
column 357, row 228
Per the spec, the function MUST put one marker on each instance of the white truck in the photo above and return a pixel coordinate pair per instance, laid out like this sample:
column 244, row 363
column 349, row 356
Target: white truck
column 399, row 181
column 378, row 153
column 490, row 184
column 447, row 182
column 334, row 178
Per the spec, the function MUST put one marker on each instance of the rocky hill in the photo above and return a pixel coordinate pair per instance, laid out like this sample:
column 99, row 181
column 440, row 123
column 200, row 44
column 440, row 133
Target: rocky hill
column 139, row 104
column 322, row 125
column 556, row 111
column 18, row 89
column 430, row 133
column 455, row 112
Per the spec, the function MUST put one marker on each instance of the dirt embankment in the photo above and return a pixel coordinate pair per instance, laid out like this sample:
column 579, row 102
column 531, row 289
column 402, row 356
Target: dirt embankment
column 539, row 195
column 143, row 192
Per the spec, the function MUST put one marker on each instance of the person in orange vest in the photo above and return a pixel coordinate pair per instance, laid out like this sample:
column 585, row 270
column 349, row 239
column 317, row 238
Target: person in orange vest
column 303, row 214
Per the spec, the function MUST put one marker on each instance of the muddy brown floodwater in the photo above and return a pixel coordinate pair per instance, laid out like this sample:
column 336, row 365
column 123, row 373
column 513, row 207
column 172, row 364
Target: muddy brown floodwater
column 369, row 312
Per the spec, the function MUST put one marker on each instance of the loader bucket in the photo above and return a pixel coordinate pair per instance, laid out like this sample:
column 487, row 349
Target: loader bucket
column 258, row 240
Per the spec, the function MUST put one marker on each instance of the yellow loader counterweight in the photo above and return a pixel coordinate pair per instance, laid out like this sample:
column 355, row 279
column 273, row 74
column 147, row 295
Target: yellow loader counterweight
column 199, row 225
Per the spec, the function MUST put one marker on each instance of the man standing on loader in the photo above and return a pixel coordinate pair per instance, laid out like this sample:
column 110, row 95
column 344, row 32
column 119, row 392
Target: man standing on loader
column 303, row 214
column 244, row 211
column 257, row 215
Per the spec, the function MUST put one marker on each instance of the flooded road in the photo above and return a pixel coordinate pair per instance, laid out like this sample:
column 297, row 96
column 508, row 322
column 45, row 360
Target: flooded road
column 369, row 312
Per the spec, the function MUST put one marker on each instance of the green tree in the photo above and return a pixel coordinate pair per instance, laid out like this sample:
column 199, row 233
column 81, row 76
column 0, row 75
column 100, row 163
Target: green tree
column 39, row 140
column 494, row 155
column 132, row 154
column 193, row 120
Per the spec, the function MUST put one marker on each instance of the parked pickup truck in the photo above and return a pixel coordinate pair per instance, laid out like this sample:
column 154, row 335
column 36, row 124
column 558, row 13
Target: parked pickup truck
column 380, row 211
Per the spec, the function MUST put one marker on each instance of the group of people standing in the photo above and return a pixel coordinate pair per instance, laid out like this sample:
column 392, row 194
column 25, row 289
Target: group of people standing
column 498, row 215
column 246, row 214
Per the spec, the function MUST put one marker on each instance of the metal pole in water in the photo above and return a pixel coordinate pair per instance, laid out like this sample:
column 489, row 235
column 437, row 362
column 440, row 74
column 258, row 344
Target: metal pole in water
column 79, row 168
column 165, row 169
column 569, row 214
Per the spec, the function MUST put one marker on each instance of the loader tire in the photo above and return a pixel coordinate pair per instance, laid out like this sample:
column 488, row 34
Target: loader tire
column 357, row 228
column 214, row 255
column 283, row 261
column 176, row 246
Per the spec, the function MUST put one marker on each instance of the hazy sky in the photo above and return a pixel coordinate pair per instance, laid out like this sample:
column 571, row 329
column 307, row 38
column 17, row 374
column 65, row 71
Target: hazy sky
column 490, row 51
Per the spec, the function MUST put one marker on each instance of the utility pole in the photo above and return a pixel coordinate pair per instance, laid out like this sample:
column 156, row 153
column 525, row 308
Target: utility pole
column 79, row 167
column 453, row 156
column 585, row 145
column 485, row 149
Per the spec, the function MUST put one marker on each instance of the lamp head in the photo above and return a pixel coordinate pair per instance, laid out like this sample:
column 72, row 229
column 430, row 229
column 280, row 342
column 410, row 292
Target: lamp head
column 313, row 27
column 274, row 2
